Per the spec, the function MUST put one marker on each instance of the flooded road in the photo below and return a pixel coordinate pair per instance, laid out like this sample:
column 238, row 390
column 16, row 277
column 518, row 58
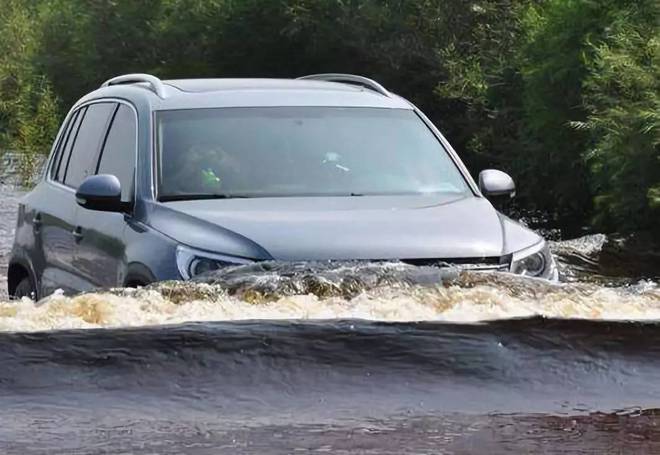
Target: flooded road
column 355, row 358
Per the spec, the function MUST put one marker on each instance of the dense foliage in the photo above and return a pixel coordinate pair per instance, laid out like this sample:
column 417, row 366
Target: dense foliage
column 562, row 94
column 622, row 98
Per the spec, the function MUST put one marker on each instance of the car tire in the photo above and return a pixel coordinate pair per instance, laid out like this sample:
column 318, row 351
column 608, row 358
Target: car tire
column 25, row 289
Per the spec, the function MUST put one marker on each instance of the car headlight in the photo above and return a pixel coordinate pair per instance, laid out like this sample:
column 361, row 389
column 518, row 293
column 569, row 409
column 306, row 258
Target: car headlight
column 191, row 262
column 535, row 261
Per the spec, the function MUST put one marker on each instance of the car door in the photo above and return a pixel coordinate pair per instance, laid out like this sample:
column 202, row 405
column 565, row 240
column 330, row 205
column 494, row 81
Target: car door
column 53, row 208
column 78, row 161
column 100, row 252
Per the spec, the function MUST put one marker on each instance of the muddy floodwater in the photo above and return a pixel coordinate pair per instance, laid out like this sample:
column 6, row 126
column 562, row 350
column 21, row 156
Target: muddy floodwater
column 348, row 359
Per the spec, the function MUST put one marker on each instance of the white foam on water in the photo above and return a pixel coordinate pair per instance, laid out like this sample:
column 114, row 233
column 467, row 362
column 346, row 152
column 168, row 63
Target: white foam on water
column 466, row 303
column 586, row 245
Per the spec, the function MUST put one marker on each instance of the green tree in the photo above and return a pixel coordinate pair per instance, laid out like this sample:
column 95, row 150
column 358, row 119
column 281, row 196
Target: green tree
column 622, row 98
column 553, row 64
column 29, row 113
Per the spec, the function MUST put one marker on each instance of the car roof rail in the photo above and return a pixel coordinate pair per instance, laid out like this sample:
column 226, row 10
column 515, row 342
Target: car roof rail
column 349, row 79
column 155, row 84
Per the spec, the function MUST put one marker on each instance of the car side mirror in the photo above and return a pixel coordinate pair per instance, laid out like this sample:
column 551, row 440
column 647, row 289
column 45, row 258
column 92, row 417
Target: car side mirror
column 496, row 183
column 100, row 192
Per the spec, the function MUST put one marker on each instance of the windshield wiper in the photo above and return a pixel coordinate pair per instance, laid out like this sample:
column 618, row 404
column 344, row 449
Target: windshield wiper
column 200, row 196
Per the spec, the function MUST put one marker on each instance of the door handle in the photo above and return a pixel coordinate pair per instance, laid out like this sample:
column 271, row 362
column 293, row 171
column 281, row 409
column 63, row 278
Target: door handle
column 37, row 222
column 77, row 234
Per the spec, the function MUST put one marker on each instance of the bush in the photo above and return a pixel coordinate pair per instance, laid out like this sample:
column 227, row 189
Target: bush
column 622, row 97
column 29, row 114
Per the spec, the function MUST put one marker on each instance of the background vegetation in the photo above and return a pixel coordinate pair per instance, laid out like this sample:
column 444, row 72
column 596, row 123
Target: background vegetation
column 562, row 94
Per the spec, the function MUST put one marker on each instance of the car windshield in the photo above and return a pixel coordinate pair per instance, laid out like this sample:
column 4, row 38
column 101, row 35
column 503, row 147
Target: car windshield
column 300, row 151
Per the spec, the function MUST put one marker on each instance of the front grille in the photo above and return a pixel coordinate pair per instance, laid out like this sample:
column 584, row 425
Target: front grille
column 497, row 263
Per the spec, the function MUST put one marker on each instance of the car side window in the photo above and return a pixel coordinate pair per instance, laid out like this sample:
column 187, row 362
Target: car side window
column 82, row 158
column 57, row 154
column 118, row 154
column 59, row 165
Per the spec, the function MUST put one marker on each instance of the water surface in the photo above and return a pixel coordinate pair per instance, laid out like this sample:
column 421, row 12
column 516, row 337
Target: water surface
column 350, row 358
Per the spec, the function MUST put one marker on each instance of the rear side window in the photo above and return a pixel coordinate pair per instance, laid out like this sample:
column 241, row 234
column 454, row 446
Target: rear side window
column 82, row 159
column 118, row 154
column 57, row 154
column 59, row 165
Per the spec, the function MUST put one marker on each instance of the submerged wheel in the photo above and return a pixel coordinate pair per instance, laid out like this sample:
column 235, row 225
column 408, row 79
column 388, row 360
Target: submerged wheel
column 25, row 289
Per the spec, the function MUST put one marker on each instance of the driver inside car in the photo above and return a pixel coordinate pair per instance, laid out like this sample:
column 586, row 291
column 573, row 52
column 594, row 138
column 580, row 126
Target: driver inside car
column 205, row 169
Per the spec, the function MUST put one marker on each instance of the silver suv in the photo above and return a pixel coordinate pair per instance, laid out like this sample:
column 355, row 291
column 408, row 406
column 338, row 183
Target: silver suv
column 152, row 180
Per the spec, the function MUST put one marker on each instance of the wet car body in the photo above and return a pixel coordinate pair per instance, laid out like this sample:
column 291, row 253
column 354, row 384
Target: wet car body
column 73, row 233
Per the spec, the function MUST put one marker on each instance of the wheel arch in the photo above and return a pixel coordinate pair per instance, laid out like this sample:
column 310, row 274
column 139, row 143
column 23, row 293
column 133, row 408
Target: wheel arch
column 138, row 274
column 17, row 270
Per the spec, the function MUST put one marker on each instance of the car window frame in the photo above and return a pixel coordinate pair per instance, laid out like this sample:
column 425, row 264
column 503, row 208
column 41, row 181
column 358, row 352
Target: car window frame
column 73, row 124
column 435, row 132
column 95, row 155
column 133, row 190
column 99, row 155
column 70, row 116
column 77, row 122
column 55, row 149
column 458, row 162
column 60, row 142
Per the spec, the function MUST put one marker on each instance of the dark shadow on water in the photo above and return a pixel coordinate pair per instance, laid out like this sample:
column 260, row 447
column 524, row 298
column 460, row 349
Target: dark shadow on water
column 346, row 386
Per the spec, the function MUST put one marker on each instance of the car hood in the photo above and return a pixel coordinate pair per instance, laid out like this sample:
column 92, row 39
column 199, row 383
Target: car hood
column 345, row 228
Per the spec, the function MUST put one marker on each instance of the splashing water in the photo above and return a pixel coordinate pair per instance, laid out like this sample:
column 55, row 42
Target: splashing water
column 595, row 286
column 351, row 293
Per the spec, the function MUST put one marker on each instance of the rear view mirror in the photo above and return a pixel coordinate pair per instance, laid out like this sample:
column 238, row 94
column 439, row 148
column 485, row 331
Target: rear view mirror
column 100, row 192
column 496, row 183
